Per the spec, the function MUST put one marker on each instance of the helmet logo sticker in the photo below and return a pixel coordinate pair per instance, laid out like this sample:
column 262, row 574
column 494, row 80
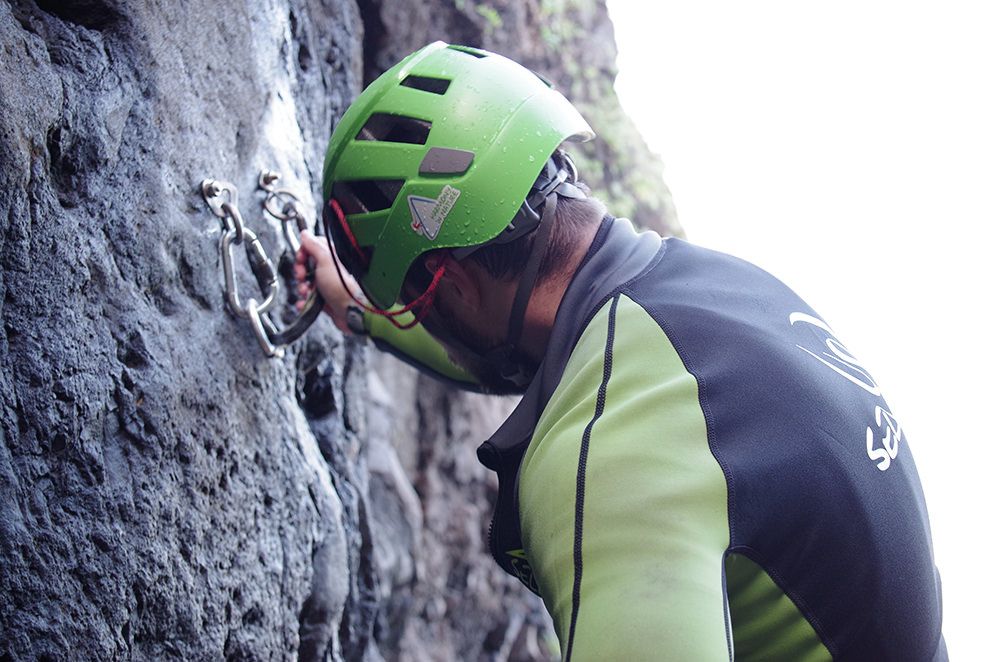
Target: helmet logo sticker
column 428, row 214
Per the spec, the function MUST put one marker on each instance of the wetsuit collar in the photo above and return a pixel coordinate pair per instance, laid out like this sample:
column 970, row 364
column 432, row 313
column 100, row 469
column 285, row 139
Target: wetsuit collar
column 617, row 255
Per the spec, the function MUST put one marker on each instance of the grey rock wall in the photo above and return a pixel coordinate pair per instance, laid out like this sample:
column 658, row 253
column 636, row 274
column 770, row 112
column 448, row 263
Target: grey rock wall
column 163, row 493
column 166, row 492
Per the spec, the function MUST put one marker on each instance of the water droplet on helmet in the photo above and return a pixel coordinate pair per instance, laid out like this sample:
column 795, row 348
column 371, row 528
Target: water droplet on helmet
column 531, row 157
column 538, row 133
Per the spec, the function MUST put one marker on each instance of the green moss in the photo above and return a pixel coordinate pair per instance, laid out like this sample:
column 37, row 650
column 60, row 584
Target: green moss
column 492, row 16
column 550, row 37
column 618, row 165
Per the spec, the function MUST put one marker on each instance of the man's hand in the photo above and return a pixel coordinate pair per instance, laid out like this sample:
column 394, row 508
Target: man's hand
column 330, row 286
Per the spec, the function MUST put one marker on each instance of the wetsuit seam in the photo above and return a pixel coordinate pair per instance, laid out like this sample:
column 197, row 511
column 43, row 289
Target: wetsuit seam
column 800, row 604
column 581, row 476
column 730, row 643
column 653, row 261
column 706, row 411
column 726, row 469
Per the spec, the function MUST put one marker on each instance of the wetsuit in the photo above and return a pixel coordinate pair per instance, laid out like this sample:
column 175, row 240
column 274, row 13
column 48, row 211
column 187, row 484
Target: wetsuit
column 701, row 471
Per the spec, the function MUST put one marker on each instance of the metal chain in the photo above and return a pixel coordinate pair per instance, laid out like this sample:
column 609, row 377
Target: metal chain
column 282, row 204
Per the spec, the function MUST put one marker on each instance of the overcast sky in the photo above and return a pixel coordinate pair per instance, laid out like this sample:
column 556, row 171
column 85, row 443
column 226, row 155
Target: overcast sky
column 853, row 150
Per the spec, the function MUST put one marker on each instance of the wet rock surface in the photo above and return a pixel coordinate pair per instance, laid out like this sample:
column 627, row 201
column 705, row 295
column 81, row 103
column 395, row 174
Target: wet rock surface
column 166, row 492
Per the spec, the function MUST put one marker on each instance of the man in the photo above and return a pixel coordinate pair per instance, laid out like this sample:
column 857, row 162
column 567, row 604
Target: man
column 698, row 469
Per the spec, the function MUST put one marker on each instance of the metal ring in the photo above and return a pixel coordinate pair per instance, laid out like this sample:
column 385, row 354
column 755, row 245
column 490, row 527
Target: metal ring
column 257, row 325
column 278, row 202
column 310, row 311
column 229, row 273
column 233, row 212
column 291, row 236
column 284, row 206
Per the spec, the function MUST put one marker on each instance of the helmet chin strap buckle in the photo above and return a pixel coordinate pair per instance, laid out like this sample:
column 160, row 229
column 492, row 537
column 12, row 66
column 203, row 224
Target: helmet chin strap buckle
column 526, row 285
column 553, row 182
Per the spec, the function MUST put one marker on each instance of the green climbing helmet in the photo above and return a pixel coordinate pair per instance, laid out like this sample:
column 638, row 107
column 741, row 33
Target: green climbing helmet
column 439, row 152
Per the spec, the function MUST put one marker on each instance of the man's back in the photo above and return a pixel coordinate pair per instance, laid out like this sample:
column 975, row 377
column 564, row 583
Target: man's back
column 709, row 459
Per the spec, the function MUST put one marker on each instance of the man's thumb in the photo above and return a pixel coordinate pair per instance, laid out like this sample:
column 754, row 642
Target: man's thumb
column 313, row 245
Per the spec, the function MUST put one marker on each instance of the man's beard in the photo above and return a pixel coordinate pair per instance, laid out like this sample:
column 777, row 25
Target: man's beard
column 471, row 350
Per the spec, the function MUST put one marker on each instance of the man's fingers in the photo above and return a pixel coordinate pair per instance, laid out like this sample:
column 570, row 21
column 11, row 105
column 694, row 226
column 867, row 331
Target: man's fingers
column 314, row 248
column 315, row 252
column 305, row 243
column 312, row 244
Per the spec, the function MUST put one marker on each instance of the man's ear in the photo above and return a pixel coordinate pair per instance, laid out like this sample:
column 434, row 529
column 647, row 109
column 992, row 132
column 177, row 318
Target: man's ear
column 459, row 279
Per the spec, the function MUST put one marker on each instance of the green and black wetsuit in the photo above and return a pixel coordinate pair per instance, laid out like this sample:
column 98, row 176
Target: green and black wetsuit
column 700, row 470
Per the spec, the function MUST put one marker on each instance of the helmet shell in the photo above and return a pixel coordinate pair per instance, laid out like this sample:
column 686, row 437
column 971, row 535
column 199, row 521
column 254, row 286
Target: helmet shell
column 503, row 117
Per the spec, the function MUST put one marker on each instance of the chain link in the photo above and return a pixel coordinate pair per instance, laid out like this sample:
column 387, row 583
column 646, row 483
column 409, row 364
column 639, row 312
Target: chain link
column 284, row 206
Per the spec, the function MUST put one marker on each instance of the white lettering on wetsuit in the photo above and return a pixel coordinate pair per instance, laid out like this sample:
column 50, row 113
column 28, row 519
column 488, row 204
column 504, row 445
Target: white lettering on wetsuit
column 844, row 364
column 890, row 442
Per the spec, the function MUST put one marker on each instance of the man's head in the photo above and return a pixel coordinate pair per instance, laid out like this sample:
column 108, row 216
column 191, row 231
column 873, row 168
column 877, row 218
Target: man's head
column 452, row 150
column 473, row 303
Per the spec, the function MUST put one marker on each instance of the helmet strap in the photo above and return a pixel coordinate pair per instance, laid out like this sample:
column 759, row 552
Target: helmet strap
column 511, row 369
column 339, row 213
column 419, row 306
column 555, row 180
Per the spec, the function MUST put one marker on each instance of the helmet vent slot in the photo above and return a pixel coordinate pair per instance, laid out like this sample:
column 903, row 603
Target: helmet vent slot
column 467, row 50
column 383, row 127
column 433, row 85
column 366, row 195
column 548, row 83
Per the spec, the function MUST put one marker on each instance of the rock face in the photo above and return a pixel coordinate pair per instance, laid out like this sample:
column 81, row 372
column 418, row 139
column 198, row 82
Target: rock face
column 166, row 492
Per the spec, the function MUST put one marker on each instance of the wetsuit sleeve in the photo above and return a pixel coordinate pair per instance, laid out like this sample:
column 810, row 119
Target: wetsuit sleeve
column 418, row 348
column 623, row 507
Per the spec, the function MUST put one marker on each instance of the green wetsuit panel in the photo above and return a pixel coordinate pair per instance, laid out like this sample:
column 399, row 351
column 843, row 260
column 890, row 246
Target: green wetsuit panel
column 766, row 624
column 654, row 501
column 415, row 344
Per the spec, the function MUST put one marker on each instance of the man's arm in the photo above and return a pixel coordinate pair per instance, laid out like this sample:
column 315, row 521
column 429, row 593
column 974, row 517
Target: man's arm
column 623, row 507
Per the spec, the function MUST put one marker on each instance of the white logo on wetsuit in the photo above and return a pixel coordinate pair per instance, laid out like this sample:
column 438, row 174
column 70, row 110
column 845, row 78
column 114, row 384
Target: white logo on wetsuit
column 844, row 364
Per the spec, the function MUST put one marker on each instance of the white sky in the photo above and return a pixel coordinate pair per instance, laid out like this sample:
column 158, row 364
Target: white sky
column 853, row 150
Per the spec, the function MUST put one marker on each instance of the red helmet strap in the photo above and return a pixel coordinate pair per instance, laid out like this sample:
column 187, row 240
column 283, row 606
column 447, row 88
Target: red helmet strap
column 419, row 306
